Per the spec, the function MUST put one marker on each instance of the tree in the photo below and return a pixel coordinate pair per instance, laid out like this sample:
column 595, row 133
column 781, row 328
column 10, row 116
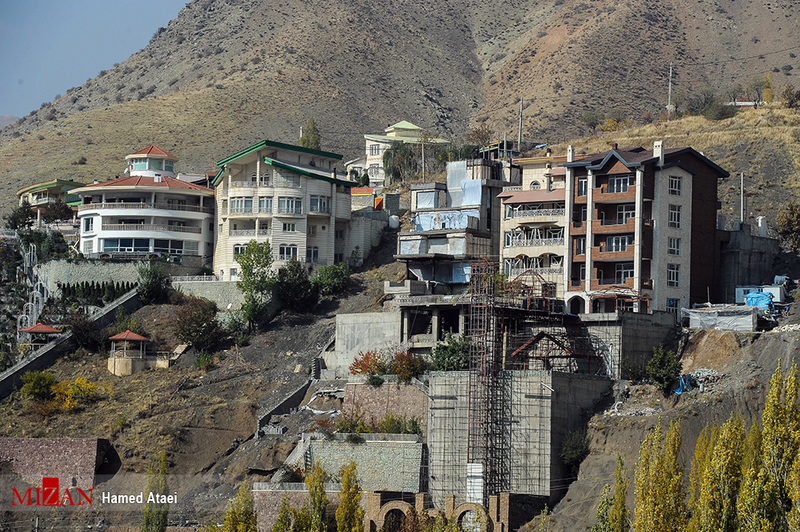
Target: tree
column 20, row 217
column 155, row 512
column 317, row 498
column 57, row 211
column 152, row 282
column 310, row 138
column 283, row 523
column 734, row 91
column 452, row 354
column 618, row 518
column 196, row 323
column 592, row 119
column 240, row 515
column 349, row 514
column 256, row 279
column 331, row 279
column 663, row 367
column 703, row 450
column 480, row 136
column 399, row 161
column 755, row 88
column 787, row 223
column 790, row 97
column 294, row 288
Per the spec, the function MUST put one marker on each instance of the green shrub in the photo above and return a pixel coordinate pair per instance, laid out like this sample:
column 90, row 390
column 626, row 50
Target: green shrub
column 152, row 283
column 663, row 368
column 38, row 385
column 354, row 438
column 331, row 279
column 294, row 288
column 452, row 354
column 375, row 380
column 196, row 323
column 574, row 450
column 204, row 361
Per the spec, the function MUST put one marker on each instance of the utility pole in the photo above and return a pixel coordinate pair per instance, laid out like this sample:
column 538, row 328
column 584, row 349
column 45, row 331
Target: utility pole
column 741, row 197
column 519, row 130
column 669, row 94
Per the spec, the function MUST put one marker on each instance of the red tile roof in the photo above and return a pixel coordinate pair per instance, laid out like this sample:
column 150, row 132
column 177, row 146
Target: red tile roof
column 154, row 150
column 128, row 335
column 533, row 196
column 40, row 328
column 362, row 191
column 141, row 181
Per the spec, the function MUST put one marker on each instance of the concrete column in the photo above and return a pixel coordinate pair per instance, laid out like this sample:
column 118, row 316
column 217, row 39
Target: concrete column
column 332, row 225
column 589, row 239
column 462, row 322
column 569, row 204
column 435, row 324
column 637, row 235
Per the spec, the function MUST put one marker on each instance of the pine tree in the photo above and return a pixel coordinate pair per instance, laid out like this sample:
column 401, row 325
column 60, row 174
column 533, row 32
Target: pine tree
column 349, row 514
column 317, row 499
column 155, row 513
column 240, row 515
column 310, row 137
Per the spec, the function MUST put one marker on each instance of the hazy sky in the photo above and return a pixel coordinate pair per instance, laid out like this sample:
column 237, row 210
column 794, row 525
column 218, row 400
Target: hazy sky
column 49, row 46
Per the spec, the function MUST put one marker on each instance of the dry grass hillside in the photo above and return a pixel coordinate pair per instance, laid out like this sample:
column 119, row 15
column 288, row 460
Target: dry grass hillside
column 226, row 73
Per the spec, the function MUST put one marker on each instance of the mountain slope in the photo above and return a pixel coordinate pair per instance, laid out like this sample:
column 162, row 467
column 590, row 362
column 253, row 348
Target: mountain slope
column 226, row 73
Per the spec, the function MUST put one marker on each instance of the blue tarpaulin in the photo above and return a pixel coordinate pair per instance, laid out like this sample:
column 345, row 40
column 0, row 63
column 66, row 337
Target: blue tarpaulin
column 762, row 300
column 684, row 384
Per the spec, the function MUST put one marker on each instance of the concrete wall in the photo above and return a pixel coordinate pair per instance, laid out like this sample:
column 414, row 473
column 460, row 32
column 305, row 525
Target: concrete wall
column 361, row 332
column 448, row 407
column 745, row 259
column 99, row 271
column 292, row 399
column 376, row 402
column 66, row 458
column 223, row 293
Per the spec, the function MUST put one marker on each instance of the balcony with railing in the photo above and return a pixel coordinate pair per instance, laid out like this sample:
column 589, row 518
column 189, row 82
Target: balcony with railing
column 522, row 241
column 611, row 253
column 543, row 271
column 541, row 215
column 141, row 205
column 152, row 227
column 600, row 284
column 614, row 225
column 249, row 232
column 606, row 194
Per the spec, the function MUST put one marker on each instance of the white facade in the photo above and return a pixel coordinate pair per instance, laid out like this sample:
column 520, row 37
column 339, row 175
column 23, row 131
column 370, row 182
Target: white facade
column 147, row 213
column 284, row 194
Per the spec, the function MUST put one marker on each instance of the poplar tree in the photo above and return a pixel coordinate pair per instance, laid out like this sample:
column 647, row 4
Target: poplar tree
column 317, row 499
column 350, row 514
column 155, row 514
column 702, row 456
column 283, row 523
column 602, row 524
column 240, row 515
column 310, row 138
column 618, row 518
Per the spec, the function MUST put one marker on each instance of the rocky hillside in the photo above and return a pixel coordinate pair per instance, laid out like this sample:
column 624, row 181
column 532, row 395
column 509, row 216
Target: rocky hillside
column 226, row 73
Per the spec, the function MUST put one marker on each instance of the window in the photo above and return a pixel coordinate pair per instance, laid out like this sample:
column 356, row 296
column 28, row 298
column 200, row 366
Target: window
column 174, row 223
column 583, row 213
column 139, row 164
column 312, row 254
column 289, row 228
column 172, row 202
column 339, row 234
column 265, row 204
column 624, row 212
column 582, row 272
column 673, row 246
column 312, row 230
column 155, row 164
column 673, row 275
column 287, row 180
column 535, row 185
column 373, row 170
column 191, row 247
column 290, row 205
column 169, row 165
column 618, row 243
column 319, row 204
column 88, row 246
column 619, row 184
column 338, row 258
column 241, row 205
column 287, row 252
column 238, row 249
column 234, row 274
column 374, row 149
column 623, row 271
column 88, row 225
column 580, row 245
column 674, row 216
column 673, row 304
column 581, row 186
column 674, row 185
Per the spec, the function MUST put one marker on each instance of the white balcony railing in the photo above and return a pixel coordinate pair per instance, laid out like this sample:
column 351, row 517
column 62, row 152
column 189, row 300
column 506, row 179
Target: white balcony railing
column 249, row 232
column 553, row 270
column 521, row 241
column 152, row 227
column 163, row 206
column 534, row 213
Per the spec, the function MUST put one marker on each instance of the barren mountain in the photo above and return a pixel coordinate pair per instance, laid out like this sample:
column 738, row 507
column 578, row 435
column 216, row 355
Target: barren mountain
column 226, row 73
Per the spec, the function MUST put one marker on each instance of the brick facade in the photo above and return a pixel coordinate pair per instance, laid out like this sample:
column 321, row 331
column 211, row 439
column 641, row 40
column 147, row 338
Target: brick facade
column 376, row 402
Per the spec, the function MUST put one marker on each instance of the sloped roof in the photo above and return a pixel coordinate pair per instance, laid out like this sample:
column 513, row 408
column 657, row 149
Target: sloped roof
column 533, row 196
column 403, row 124
column 128, row 335
column 152, row 151
column 635, row 157
column 55, row 183
column 40, row 328
column 142, row 181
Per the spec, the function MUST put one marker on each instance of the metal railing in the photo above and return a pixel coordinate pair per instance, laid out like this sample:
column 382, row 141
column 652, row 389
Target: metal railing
column 532, row 213
column 554, row 270
column 249, row 232
column 159, row 205
column 516, row 242
column 152, row 227
column 194, row 278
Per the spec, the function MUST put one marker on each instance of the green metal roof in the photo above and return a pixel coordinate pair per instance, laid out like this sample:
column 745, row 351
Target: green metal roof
column 60, row 183
column 404, row 124
column 279, row 145
column 308, row 173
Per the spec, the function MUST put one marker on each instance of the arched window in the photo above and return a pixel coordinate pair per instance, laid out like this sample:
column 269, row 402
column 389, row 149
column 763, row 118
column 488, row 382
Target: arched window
column 535, row 185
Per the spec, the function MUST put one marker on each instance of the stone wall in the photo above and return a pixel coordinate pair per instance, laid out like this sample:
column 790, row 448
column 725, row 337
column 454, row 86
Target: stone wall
column 100, row 271
column 361, row 332
column 375, row 402
column 268, row 498
column 71, row 460
column 223, row 293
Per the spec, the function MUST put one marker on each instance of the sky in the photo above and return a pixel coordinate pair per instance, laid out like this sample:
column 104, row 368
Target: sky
column 50, row 46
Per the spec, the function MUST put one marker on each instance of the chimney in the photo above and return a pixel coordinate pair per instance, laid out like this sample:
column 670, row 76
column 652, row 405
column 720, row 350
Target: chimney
column 95, row 181
column 658, row 151
column 570, row 153
column 549, row 153
column 614, row 146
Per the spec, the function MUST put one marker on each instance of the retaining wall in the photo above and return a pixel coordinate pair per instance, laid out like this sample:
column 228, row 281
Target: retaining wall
column 77, row 271
column 376, row 402
column 223, row 293
column 73, row 461
column 361, row 332
column 268, row 497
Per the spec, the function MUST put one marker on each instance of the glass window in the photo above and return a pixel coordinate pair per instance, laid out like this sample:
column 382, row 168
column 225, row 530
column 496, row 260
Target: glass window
column 673, row 304
column 88, row 246
column 620, row 184
column 238, row 249
column 673, row 275
column 373, row 170
column 618, row 243
column 581, row 186
column 289, row 228
column 673, row 246
column 169, row 165
column 287, row 179
column 582, row 272
column 290, row 205
column 312, row 230
column 623, row 271
column 155, row 164
column 191, row 247
column 287, row 252
column 265, row 204
column 339, row 234
column 535, row 185
column 580, row 245
column 312, row 254
column 242, row 205
column 675, row 185
column 624, row 212
column 674, row 216
column 374, row 149
column 88, row 225
column 111, row 245
column 319, row 204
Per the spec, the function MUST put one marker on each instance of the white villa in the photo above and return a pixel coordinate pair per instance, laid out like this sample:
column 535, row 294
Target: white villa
column 148, row 212
column 287, row 195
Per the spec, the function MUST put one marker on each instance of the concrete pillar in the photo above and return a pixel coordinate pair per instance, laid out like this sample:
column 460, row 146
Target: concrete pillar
column 589, row 240
column 449, row 505
column 332, row 227
column 419, row 504
column 637, row 235
column 462, row 321
column 435, row 324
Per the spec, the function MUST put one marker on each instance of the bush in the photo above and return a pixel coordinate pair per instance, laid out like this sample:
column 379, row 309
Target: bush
column 152, row 283
column 196, row 323
column 664, row 367
column 84, row 332
column 408, row 366
column 574, row 450
column 70, row 394
column 331, row 279
column 452, row 354
column 375, row 381
column 38, row 385
column 369, row 363
column 205, row 361
column 354, row 438
column 294, row 287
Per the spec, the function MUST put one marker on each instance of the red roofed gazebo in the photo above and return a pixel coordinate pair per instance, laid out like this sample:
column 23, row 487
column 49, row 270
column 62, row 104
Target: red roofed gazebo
column 126, row 337
column 41, row 330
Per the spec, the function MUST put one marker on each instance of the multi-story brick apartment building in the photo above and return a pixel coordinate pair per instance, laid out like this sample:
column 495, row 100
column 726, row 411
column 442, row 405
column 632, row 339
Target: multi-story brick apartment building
column 641, row 231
